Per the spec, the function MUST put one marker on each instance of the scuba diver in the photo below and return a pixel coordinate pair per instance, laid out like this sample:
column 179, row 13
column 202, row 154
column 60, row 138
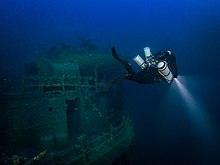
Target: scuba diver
column 158, row 67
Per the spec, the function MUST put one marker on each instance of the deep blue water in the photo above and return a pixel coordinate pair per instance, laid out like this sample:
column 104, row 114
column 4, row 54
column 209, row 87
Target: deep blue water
column 168, row 131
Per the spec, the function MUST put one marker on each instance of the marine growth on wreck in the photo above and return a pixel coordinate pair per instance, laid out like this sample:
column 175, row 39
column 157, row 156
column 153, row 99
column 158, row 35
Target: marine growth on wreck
column 62, row 113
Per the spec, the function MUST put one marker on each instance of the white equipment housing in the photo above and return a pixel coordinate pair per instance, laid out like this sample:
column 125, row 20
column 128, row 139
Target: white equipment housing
column 140, row 61
column 165, row 71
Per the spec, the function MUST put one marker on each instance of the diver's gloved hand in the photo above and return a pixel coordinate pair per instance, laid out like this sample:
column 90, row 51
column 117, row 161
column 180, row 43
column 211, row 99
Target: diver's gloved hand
column 161, row 55
column 165, row 53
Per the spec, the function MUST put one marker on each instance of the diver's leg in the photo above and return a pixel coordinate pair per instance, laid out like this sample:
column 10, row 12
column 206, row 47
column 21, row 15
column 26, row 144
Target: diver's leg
column 111, row 84
column 116, row 56
column 126, row 64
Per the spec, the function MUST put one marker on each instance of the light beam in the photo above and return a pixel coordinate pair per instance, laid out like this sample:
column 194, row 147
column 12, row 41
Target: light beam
column 200, row 118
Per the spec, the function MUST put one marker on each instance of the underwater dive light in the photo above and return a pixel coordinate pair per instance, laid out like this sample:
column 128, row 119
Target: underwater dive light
column 165, row 71
column 140, row 61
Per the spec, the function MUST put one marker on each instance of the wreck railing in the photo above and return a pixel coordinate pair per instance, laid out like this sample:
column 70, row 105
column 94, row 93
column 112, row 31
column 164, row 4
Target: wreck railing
column 90, row 149
column 65, row 83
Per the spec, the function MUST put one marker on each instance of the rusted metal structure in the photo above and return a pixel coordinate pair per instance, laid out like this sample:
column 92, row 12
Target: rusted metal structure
column 62, row 114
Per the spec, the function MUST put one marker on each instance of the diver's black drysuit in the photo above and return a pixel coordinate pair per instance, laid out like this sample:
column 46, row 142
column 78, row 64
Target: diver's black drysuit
column 150, row 74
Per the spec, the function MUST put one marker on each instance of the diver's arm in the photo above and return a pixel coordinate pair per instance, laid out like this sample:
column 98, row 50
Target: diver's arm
column 173, row 65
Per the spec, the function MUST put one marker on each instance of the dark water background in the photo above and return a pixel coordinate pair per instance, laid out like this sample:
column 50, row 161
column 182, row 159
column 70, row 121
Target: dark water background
column 167, row 132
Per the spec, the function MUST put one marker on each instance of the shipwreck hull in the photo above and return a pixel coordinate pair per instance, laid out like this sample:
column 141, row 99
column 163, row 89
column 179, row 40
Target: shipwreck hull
column 102, row 149
column 62, row 115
